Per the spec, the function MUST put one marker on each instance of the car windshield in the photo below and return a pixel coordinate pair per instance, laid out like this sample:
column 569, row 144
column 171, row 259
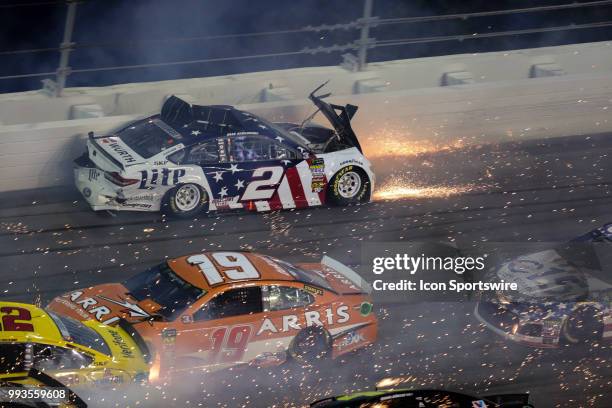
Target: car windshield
column 165, row 288
column 149, row 137
column 302, row 275
column 77, row 332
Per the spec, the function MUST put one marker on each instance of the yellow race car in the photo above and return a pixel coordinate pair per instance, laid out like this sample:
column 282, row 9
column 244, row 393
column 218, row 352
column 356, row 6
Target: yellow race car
column 72, row 352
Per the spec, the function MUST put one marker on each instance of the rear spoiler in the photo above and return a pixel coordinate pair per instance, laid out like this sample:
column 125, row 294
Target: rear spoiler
column 142, row 345
column 93, row 141
column 510, row 400
column 339, row 116
column 348, row 273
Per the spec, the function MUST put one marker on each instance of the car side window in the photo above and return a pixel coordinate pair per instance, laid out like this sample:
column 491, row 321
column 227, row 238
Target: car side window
column 58, row 358
column 278, row 297
column 233, row 302
column 280, row 152
column 202, row 153
column 249, row 148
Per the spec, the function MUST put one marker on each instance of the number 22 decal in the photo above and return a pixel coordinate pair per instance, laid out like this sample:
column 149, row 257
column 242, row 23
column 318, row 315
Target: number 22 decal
column 230, row 344
column 10, row 322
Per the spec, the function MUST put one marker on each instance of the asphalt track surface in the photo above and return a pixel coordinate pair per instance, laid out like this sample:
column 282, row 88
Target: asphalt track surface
column 50, row 242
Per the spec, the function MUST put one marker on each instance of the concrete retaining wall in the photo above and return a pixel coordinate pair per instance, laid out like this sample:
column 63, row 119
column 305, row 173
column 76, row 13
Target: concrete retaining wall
column 262, row 87
column 40, row 155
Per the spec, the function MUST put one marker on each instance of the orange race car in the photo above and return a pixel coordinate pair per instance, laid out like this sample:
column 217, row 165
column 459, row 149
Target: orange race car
column 219, row 309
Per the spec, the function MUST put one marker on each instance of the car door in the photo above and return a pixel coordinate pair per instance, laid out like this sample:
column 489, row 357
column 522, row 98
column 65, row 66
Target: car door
column 260, row 173
column 218, row 333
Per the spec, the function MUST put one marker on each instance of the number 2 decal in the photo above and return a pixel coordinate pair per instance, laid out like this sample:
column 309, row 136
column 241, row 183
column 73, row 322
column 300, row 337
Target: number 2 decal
column 263, row 189
column 10, row 322
column 235, row 266
column 230, row 344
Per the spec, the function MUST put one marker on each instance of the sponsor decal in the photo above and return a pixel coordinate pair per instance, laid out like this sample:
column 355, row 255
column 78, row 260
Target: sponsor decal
column 93, row 174
column 87, row 192
column 109, row 379
column 160, row 162
column 366, row 308
column 312, row 318
column 133, row 309
column 317, row 168
column 351, row 161
column 160, row 177
column 136, row 205
column 88, row 304
column 142, row 197
column 350, row 339
column 100, row 312
column 125, row 155
column 168, row 336
column 314, row 290
column 118, row 341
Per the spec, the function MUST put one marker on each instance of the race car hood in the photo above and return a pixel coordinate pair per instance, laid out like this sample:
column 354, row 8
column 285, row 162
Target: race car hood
column 110, row 153
column 542, row 276
column 122, row 346
column 105, row 303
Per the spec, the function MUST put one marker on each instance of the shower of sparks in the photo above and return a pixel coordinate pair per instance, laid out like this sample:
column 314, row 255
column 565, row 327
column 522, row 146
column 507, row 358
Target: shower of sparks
column 395, row 143
column 398, row 188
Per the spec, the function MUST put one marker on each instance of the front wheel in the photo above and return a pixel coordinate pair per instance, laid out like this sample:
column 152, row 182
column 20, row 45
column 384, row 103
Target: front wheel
column 184, row 201
column 349, row 185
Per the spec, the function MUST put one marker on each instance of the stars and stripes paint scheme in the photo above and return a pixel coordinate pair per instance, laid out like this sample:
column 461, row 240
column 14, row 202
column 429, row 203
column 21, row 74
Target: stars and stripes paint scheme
column 233, row 159
column 217, row 310
column 564, row 296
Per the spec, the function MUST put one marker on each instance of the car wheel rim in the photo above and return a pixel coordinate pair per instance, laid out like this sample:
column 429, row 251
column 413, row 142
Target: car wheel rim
column 349, row 184
column 187, row 197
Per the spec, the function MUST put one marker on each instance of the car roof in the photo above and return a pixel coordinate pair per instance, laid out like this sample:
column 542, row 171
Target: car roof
column 44, row 328
column 197, row 123
column 267, row 268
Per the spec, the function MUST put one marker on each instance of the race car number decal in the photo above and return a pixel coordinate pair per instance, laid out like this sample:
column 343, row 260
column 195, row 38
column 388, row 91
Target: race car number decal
column 229, row 344
column 263, row 189
column 10, row 322
column 235, row 266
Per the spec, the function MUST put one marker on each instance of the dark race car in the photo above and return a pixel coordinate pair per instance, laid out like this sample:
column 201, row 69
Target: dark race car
column 193, row 158
column 408, row 398
column 564, row 294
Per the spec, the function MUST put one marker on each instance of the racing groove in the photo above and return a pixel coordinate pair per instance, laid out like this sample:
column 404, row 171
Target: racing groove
column 540, row 191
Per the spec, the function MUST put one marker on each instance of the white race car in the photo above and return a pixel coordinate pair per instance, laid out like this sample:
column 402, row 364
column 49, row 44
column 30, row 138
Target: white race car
column 194, row 158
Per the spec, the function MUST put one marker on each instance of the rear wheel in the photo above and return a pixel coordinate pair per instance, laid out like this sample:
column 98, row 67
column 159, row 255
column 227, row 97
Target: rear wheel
column 310, row 346
column 349, row 185
column 184, row 201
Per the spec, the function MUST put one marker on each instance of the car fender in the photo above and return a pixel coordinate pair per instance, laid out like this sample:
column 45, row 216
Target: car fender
column 334, row 161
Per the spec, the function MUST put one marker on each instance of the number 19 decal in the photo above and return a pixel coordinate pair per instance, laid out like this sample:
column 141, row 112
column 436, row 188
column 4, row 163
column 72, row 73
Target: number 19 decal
column 230, row 344
column 11, row 322
column 236, row 266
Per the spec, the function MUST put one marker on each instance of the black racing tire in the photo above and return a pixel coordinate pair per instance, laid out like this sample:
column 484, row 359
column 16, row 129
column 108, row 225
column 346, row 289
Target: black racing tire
column 350, row 185
column 310, row 346
column 584, row 324
column 184, row 201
